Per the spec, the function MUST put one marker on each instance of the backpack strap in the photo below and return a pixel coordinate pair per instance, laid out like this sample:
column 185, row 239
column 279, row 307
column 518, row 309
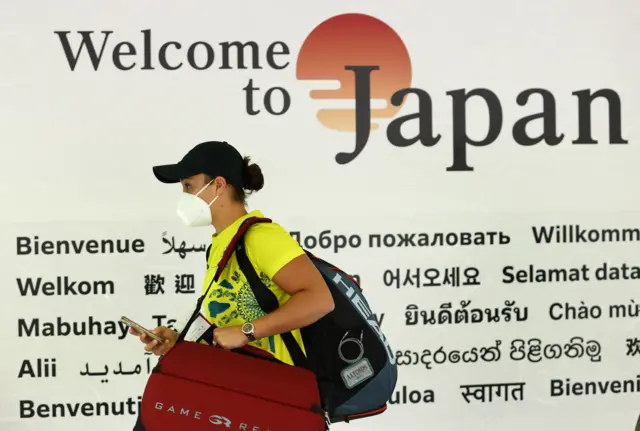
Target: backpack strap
column 268, row 302
column 264, row 296
column 238, row 237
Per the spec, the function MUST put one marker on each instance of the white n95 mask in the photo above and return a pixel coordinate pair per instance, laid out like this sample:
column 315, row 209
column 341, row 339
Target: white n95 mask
column 193, row 211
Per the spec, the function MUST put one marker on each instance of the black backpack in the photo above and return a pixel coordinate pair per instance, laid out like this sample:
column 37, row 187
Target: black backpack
column 350, row 356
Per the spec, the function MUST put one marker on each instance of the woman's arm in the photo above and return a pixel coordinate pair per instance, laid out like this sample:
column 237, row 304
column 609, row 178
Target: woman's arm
column 310, row 299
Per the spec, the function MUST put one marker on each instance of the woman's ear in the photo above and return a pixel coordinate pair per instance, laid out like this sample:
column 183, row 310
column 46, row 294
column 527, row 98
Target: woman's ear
column 221, row 185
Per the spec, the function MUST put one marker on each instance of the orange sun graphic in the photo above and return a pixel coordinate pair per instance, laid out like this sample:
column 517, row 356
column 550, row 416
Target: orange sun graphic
column 357, row 40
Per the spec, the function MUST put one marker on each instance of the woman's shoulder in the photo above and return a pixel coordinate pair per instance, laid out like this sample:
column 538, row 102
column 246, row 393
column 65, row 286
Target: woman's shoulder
column 270, row 246
column 268, row 232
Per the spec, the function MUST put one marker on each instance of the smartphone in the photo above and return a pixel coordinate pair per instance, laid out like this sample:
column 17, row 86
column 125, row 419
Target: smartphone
column 140, row 329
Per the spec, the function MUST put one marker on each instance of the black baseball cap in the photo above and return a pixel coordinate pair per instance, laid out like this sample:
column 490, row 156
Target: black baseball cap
column 213, row 158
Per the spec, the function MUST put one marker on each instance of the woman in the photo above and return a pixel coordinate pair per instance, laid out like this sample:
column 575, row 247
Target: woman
column 215, row 180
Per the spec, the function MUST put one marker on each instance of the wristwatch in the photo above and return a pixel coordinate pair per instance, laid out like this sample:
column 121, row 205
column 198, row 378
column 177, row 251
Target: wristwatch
column 247, row 329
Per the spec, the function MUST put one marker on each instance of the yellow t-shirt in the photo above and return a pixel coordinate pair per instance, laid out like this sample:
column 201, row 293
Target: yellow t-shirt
column 231, row 302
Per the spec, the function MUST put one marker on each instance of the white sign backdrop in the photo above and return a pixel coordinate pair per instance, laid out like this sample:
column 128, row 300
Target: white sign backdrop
column 87, row 234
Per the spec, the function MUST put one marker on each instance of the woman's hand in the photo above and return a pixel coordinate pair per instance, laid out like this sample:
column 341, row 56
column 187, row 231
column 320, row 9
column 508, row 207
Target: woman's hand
column 168, row 335
column 230, row 337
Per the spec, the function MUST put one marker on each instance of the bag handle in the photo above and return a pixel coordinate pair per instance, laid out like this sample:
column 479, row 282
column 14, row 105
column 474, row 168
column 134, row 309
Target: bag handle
column 221, row 265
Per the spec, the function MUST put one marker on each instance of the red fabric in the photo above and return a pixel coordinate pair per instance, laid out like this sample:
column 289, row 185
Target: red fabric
column 199, row 386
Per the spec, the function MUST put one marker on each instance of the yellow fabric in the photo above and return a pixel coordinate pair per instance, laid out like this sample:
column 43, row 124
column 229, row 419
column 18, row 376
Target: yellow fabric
column 231, row 302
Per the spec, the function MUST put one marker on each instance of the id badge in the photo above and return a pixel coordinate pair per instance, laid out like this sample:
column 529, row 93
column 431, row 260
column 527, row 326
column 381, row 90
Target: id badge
column 199, row 327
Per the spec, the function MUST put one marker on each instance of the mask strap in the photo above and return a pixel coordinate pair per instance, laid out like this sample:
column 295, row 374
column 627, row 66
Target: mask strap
column 202, row 189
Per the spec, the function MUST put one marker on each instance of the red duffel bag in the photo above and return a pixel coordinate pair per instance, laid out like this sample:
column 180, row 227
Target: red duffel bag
column 196, row 386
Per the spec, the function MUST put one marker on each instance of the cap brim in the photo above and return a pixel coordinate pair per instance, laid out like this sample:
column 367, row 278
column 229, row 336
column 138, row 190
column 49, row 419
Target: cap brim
column 168, row 174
